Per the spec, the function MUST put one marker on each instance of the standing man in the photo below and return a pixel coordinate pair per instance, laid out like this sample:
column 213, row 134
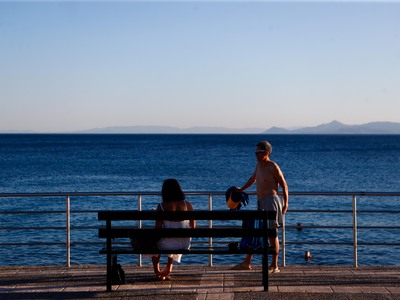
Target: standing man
column 268, row 177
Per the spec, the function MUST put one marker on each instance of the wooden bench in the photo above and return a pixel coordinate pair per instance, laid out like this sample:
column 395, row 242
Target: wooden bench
column 111, row 232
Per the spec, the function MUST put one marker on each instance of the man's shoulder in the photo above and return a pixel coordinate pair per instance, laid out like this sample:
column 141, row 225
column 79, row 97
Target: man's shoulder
column 273, row 166
column 272, row 163
column 268, row 163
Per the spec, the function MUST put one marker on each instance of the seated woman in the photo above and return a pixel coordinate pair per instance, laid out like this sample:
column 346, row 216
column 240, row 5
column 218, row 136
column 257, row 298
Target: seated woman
column 173, row 199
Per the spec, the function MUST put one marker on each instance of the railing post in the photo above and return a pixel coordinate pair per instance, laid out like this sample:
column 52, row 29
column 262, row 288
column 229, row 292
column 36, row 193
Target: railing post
column 355, row 242
column 140, row 226
column 68, row 227
column 210, row 224
column 283, row 264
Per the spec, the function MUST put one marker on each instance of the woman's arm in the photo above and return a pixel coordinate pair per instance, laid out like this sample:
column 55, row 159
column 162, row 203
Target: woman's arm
column 192, row 223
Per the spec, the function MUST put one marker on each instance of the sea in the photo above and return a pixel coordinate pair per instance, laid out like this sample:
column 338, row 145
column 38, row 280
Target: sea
column 68, row 163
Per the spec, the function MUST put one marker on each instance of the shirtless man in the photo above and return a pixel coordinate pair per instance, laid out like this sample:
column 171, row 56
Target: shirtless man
column 268, row 177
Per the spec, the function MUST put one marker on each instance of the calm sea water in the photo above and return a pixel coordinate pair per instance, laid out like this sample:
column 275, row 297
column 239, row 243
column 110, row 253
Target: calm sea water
column 107, row 163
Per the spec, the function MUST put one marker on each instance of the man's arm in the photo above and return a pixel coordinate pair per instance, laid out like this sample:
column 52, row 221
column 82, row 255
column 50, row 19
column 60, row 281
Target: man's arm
column 249, row 182
column 282, row 182
column 159, row 223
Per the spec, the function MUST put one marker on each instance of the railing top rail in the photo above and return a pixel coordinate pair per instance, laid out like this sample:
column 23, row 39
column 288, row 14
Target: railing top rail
column 190, row 193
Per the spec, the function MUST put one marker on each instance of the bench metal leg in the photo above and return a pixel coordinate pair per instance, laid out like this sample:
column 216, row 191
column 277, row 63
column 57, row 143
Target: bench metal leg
column 109, row 270
column 265, row 271
column 113, row 265
column 109, row 257
column 265, row 263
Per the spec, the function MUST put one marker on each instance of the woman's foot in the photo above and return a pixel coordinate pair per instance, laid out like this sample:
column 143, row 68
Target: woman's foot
column 163, row 276
column 166, row 273
column 158, row 275
column 160, row 278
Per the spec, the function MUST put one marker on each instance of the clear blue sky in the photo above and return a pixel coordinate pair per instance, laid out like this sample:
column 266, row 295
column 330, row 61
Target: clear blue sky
column 67, row 66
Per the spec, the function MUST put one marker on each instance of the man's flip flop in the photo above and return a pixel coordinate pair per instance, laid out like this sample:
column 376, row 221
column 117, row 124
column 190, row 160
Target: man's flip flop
column 273, row 270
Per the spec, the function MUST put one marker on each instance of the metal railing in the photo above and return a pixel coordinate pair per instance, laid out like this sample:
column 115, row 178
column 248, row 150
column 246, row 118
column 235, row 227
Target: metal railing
column 139, row 195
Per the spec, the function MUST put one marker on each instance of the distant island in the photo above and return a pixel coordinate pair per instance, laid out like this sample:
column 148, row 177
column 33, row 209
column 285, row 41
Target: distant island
column 334, row 127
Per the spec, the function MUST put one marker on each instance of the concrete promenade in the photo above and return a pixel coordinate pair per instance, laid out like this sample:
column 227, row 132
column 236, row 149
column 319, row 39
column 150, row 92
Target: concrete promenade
column 202, row 283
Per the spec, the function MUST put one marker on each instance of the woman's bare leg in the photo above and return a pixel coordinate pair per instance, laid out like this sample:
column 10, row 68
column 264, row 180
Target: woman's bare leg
column 168, row 269
column 156, row 265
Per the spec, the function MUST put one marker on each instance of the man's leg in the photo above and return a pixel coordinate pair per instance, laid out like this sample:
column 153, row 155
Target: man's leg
column 274, row 242
column 244, row 265
column 247, row 260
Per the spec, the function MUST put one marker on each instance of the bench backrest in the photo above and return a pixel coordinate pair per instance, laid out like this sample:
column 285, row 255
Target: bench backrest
column 110, row 231
column 120, row 215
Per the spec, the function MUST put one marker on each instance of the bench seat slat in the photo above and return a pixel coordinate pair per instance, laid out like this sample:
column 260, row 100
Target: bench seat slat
column 192, row 250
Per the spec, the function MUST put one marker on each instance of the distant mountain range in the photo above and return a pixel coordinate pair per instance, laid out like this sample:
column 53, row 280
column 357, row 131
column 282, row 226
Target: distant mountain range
column 333, row 127
column 336, row 127
column 173, row 130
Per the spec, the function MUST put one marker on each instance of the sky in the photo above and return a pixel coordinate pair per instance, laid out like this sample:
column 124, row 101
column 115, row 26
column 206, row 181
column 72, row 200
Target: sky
column 71, row 65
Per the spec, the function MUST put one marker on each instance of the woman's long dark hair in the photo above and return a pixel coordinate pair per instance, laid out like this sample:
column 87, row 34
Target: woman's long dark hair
column 172, row 191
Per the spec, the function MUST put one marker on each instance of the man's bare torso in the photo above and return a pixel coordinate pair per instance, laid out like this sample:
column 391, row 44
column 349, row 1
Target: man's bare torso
column 267, row 184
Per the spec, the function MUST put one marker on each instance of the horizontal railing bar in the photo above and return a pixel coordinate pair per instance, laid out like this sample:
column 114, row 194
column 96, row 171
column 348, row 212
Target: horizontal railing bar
column 189, row 193
column 318, row 226
column 121, row 243
column 340, row 227
column 34, row 244
column 32, row 228
column 359, row 193
column 49, row 228
column 50, row 244
column 321, row 210
column 78, row 194
column 379, row 211
column 287, row 227
column 63, row 228
column 42, row 212
column 378, row 227
column 342, row 243
column 344, row 211
column 31, row 212
column 291, row 211
column 297, row 243
column 195, row 241
column 379, row 244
